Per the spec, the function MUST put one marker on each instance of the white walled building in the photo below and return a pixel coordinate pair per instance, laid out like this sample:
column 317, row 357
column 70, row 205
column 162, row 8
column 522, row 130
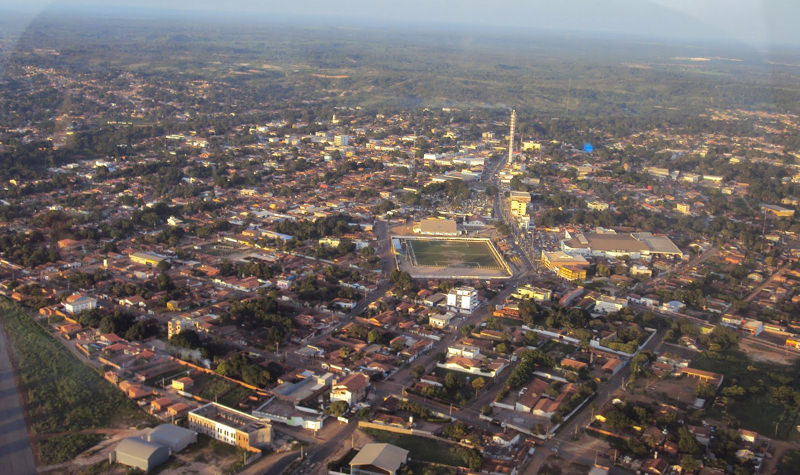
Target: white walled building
column 77, row 303
column 463, row 299
column 441, row 321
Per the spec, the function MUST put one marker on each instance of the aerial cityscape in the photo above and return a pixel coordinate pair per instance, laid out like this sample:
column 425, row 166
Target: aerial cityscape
column 246, row 245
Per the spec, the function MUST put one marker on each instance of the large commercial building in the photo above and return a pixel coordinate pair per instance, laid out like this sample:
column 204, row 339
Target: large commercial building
column 564, row 265
column 231, row 426
column 463, row 299
column 140, row 454
column 173, row 437
column 610, row 244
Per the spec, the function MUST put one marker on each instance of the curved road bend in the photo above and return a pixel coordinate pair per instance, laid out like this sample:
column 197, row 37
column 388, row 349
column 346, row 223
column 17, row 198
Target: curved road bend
column 16, row 454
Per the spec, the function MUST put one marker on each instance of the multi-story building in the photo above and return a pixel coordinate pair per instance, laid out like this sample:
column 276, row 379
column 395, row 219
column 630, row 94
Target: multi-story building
column 463, row 299
column 77, row 303
column 231, row 426
column 538, row 294
column 177, row 325
column 350, row 389
column 519, row 203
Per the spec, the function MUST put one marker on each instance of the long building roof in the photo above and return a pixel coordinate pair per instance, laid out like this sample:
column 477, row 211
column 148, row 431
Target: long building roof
column 386, row 456
column 634, row 242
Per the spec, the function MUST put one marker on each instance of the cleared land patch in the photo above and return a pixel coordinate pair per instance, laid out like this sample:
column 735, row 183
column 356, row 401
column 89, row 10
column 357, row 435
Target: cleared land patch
column 430, row 257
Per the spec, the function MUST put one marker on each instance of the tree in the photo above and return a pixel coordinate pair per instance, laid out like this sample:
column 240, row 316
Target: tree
column 705, row 390
column 467, row 329
column 374, row 336
column 687, row 443
column 478, row 384
column 417, row 371
column 689, row 463
column 337, row 408
column 451, row 381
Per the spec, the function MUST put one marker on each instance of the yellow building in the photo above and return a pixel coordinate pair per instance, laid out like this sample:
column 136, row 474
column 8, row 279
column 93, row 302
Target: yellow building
column 145, row 258
column 177, row 325
column 182, row 384
column 231, row 426
column 556, row 259
column 779, row 211
column 519, row 202
column 571, row 273
column 538, row 294
column 531, row 145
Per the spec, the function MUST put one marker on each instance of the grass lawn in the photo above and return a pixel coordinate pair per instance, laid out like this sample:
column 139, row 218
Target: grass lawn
column 562, row 348
column 739, row 370
column 442, row 253
column 427, row 468
column 232, row 397
column 213, row 387
column 65, row 447
column 420, row 448
column 61, row 393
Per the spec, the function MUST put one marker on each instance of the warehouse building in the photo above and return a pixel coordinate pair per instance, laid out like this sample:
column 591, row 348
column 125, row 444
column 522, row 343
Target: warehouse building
column 174, row 437
column 140, row 454
column 607, row 243
column 375, row 459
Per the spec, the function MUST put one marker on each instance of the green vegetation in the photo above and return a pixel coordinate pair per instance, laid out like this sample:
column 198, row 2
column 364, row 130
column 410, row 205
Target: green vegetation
column 65, row 447
column 773, row 389
column 214, row 388
column 233, row 397
column 458, row 387
column 790, row 463
column 423, row 448
column 448, row 253
column 262, row 316
column 240, row 367
column 62, row 394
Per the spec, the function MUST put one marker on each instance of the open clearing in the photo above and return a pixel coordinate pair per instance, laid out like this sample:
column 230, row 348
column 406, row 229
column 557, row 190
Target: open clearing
column 432, row 257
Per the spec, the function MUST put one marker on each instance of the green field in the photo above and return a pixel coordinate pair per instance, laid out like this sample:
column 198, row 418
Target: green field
column 421, row 448
column 772, row 418
column 448, row 253
column 62, row 395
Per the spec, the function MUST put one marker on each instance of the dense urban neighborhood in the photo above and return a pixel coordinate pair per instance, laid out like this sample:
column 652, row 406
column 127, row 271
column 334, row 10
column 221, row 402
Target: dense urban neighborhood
column 204, row 275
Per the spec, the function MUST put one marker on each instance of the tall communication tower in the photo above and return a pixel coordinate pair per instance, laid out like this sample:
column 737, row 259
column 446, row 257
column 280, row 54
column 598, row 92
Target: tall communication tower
column 511, row 136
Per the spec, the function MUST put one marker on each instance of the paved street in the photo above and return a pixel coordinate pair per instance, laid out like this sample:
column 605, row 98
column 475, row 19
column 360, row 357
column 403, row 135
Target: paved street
column 561, row 440
column 16, row 454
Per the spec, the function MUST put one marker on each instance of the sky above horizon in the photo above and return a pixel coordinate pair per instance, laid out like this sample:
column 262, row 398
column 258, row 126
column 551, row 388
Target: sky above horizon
column 756, row 23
